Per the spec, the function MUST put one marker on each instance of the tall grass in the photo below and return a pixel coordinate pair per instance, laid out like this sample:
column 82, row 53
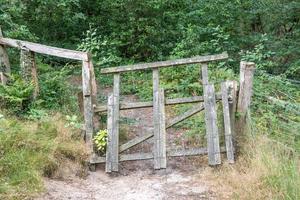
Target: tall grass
column 31, row 150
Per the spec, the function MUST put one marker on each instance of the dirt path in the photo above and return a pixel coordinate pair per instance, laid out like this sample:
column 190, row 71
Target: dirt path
column 185, row 178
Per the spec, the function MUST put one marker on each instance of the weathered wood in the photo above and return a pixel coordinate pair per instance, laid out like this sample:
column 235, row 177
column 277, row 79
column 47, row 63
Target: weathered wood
column 192, row 111
column 153, row 65
column 134, row 105
column 110, row 138
column 43, row 49
column 147, row 156
column 80, row 102
column 244, row 98
column 134, row 142
column 156, row 129
column 4, row 60
column 213, row 145
column 162, row 130
column 115, row 124
column 204, row 73
column 227, row 123
column 29, row 70
column 88, row 107
column 233, row 87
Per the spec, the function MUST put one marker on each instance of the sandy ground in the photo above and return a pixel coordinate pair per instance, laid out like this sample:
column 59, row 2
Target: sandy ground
column 184, row 178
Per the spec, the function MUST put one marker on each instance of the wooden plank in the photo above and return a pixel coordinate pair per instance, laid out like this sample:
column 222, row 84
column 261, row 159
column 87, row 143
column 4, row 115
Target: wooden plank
column 43, row 49
column 88, row 108
column 194, row 110
column 204, row 74
column 162, row 130
column 109, row 146
column 156, row 129
column 134, row 105
column 146, row 156
column 134, row 142
column 115, row 124
column 34, row 76
column 4, row 59
column 213, row 145
column 153, row 65
column 244, row 98
column 227, row 123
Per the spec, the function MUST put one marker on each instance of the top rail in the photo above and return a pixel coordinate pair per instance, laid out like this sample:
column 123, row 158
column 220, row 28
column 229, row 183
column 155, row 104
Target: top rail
column 43, row 49
column 193, row 60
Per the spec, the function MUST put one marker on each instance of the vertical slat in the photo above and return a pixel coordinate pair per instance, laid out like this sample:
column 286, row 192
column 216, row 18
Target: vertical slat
column 213, row 145
column 88, row 108
column 162, row 129
column 3, row 78
column 227, row 123
column 96, row 118
column 34, row 75
column 116, row 114
column 109, row 146
column 156, row 147
column 232, row 85
column 4, row 60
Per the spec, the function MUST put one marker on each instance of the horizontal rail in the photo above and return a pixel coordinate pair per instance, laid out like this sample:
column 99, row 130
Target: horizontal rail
column 146, row 104
column 146, row 156
column 43, row 49
column 193, row 60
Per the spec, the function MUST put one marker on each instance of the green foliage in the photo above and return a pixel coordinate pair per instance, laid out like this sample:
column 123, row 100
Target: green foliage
column 72, row 121
column 100, row 140
column 16, row 95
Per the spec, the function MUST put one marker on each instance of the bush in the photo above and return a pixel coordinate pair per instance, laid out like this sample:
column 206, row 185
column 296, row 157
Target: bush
column 16, row 95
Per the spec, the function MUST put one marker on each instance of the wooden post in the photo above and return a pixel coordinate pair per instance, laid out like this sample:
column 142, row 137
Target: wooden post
column 4, row 60
column 112, row 153
column 213, row 146
column 28, row 69
column 244, row 97
column 227, row 123
column 88, row 107
column 159, row 148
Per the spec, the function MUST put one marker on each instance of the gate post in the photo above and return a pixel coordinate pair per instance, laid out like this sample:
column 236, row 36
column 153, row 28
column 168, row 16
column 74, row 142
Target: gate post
column 244, row 98
column 4, row 62
column 28, row 69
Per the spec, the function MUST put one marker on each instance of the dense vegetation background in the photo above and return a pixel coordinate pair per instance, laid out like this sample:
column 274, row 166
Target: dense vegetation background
column 266, row 32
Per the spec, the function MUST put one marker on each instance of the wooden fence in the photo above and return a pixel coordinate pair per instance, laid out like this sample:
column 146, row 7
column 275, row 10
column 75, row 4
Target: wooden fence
column 233, row 100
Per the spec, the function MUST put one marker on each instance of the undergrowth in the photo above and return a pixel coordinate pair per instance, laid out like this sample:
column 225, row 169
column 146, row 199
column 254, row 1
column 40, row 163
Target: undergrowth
column 31, row 150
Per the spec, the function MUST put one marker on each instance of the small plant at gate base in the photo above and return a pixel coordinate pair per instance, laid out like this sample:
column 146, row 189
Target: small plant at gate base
column 100, row 140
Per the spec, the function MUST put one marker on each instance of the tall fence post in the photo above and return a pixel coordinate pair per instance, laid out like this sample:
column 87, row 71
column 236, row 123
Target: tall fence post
column 244, row 98
column 88, row 107
column 28, row 69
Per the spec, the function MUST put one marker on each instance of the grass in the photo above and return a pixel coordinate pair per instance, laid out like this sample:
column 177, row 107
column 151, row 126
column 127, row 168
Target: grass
column 31, row 150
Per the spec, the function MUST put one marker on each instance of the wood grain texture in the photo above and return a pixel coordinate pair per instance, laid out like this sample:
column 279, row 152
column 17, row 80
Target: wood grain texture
column 110, row 142
column 204, row 74
column 213, row 145
column 156, row 129
column 88, row 107
column 43, row 49
column 244, row 99
column 147, row 104
column 227, row 123
column 162, row 130
column 153, row 65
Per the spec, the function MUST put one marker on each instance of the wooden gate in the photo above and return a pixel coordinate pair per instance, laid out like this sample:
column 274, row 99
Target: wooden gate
column 207, row 102
column 228, row 95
